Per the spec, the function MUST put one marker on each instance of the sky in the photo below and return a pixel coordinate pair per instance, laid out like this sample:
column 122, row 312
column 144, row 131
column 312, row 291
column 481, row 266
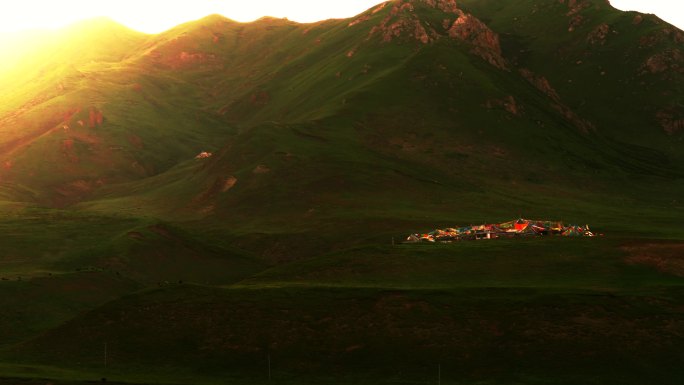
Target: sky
column 154, row 16
column 671, row 11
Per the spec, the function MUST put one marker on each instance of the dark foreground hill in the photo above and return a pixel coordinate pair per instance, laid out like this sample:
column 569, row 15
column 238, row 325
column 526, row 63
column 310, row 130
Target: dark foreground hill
column 126, row 255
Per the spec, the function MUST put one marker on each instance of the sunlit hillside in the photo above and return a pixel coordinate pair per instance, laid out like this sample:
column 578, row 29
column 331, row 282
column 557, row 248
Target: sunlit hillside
column 226, row 197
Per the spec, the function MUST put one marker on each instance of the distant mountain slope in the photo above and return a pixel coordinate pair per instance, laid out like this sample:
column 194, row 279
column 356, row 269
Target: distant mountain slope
column 621, row 70
column 472, row 93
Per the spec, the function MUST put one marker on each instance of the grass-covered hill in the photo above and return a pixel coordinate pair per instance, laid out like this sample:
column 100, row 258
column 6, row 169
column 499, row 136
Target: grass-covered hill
column 535, row 91
column 418, row 110
column 124, row 255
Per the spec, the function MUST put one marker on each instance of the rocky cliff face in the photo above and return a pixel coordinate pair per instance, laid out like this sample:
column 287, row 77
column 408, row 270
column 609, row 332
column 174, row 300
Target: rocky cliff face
column 484, row 41
column 403, row 22
column 668, row 61
column 575, row 8
column 599, row 34
column 446, row 6
column 542, row 84
column 671, row 119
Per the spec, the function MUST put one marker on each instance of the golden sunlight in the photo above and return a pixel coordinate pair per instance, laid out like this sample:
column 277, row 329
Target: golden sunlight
column 154, row 16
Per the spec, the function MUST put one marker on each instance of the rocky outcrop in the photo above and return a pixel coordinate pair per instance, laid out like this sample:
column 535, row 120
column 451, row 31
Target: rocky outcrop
column 95, row 118
column 228, row 183
column 205, row 201
column 668, row 60
column 420, row 33
column 671, row 120
column 650, row 40
column 261, row 169
column 575, row 8
column 509, row 104
column 379, row 8
column 403, row 21
column 485, row 42
column 542, row 84
column 572, row 117
column 70, row 113
column 195, row 57
column 68, row 150
column 660, row 36
column 183, row 53
column 676, row 35
column 446, row 6
column 359, row 20
column 599, row 34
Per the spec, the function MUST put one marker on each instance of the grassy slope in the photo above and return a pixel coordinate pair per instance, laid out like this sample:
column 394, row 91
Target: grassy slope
column 390, row 315
column 97, row 119
column 584, row 71
column 275, row 70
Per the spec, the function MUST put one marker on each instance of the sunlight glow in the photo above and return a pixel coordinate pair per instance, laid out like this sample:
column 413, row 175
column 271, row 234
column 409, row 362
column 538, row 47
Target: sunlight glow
column 154, row 16
column 668, row 10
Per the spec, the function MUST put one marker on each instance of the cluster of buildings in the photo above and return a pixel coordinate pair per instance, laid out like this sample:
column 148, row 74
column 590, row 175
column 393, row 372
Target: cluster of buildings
column 516, row 228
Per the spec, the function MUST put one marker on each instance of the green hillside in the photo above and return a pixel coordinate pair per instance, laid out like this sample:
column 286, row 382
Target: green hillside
column 225, row 202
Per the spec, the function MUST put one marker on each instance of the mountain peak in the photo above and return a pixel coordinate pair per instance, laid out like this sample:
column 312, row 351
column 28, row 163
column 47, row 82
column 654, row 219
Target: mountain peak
column 270, row 19
column 447, row 6
column 444, row 5
column 213, row 20
column 427, row 21
column 415, row 19
column 100, row 24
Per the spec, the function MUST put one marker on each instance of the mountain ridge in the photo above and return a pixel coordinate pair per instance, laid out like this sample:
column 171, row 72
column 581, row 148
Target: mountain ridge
column 248, row 74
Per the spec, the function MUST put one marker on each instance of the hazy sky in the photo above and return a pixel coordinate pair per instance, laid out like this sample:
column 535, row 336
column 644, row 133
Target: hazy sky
column 158, row 15
column 670, row 10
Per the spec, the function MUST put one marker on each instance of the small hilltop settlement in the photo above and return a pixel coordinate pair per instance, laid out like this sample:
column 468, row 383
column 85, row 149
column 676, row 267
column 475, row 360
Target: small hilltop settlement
column 512, row 229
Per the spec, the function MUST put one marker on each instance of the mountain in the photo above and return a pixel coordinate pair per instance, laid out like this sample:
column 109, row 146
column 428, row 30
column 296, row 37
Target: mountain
column 421, row 109
column 493, row 94
column 225, row 194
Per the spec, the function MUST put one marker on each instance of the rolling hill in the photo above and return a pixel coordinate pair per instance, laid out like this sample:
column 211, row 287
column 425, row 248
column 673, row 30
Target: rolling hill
column 324, row 144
